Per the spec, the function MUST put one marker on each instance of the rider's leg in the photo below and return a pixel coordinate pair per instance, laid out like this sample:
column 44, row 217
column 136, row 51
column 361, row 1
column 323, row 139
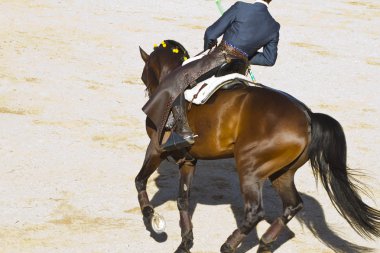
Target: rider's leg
column 183, row 136
column 180, row 115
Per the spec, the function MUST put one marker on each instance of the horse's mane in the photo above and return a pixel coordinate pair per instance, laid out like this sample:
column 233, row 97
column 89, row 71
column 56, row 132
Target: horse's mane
column 179, row 45
column 170, row 47
column 174, row 44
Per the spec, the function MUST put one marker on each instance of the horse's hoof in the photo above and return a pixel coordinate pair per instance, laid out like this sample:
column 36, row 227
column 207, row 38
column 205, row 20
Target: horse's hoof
column 226, row 248
column 182, row 249
column 264, row 248
column 264, row 251
column 158, row 223
column 186, row 244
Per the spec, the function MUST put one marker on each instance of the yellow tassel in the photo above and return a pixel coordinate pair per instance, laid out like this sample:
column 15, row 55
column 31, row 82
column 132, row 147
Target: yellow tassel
column 155, row 45
column 175, row 50
column 184, row 58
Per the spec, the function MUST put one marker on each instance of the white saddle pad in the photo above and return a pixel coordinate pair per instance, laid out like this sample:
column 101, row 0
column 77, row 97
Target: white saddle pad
column 200, row 93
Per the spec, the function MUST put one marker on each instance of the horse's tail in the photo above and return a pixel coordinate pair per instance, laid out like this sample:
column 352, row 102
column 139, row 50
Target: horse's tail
column 327, row 154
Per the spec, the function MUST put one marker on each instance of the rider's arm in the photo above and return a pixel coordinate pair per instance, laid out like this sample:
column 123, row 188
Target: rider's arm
column 269, row 55
column 220, row 26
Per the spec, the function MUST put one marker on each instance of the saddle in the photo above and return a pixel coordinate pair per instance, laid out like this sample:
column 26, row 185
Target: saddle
column 234, row 66
column 226, row 76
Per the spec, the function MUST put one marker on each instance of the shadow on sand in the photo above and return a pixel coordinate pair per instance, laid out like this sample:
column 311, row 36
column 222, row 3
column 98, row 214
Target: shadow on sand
column 216, row 183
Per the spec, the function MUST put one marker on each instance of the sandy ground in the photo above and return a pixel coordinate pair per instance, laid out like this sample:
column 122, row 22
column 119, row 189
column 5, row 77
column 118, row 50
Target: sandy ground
column 72, row 133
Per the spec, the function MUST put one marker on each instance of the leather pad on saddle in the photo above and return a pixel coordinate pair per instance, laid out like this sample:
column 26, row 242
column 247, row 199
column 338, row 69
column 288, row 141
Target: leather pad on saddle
column 200, row 93
column 208, row 74
column 234, row 66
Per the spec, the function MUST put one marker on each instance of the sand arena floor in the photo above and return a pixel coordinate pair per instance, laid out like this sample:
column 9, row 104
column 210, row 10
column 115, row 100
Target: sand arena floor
column 72, row 133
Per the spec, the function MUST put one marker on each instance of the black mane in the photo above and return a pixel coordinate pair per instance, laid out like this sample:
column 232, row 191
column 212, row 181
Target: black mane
column 174, row 44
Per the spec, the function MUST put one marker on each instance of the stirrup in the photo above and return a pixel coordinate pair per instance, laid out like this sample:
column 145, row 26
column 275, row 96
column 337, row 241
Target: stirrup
column 176, row 141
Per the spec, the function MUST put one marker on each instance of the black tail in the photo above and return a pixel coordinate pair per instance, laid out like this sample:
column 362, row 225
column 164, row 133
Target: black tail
column 327, row 153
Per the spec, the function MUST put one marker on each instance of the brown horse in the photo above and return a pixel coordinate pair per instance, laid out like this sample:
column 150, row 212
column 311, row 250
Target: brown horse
column 270, row 134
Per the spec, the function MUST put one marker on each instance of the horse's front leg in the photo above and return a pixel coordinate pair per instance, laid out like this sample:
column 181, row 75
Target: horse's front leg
column 187, row 171
column 153, row 158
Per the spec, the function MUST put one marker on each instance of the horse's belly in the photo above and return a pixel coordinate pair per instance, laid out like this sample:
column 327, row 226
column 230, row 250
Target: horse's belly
column 216, row 124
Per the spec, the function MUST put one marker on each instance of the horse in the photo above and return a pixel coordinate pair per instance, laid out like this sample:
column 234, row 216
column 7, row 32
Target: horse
column 270, row 134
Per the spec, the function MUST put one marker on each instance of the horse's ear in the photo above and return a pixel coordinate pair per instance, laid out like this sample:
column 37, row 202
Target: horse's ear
column 144, row 55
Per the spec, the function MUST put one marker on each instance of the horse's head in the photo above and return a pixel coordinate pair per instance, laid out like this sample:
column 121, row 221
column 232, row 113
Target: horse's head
column 164, row 59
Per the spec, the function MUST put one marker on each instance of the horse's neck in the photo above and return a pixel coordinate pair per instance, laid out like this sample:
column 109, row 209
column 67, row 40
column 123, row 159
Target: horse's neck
column 165, row 67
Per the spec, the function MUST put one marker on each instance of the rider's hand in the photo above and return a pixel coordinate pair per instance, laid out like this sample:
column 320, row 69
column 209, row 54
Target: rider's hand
column 211, row 44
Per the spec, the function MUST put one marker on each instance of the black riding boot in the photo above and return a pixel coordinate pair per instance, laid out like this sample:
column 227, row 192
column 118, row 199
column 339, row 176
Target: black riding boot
column 182, row 137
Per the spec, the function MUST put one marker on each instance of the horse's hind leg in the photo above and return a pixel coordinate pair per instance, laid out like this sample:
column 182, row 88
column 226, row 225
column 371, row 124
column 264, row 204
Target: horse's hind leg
column 251, row 187
column 152, row 160
column 187, row 171
column 292, row 204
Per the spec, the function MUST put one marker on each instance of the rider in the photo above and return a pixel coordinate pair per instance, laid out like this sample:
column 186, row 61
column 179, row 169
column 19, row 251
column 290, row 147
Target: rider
column 246, row 27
